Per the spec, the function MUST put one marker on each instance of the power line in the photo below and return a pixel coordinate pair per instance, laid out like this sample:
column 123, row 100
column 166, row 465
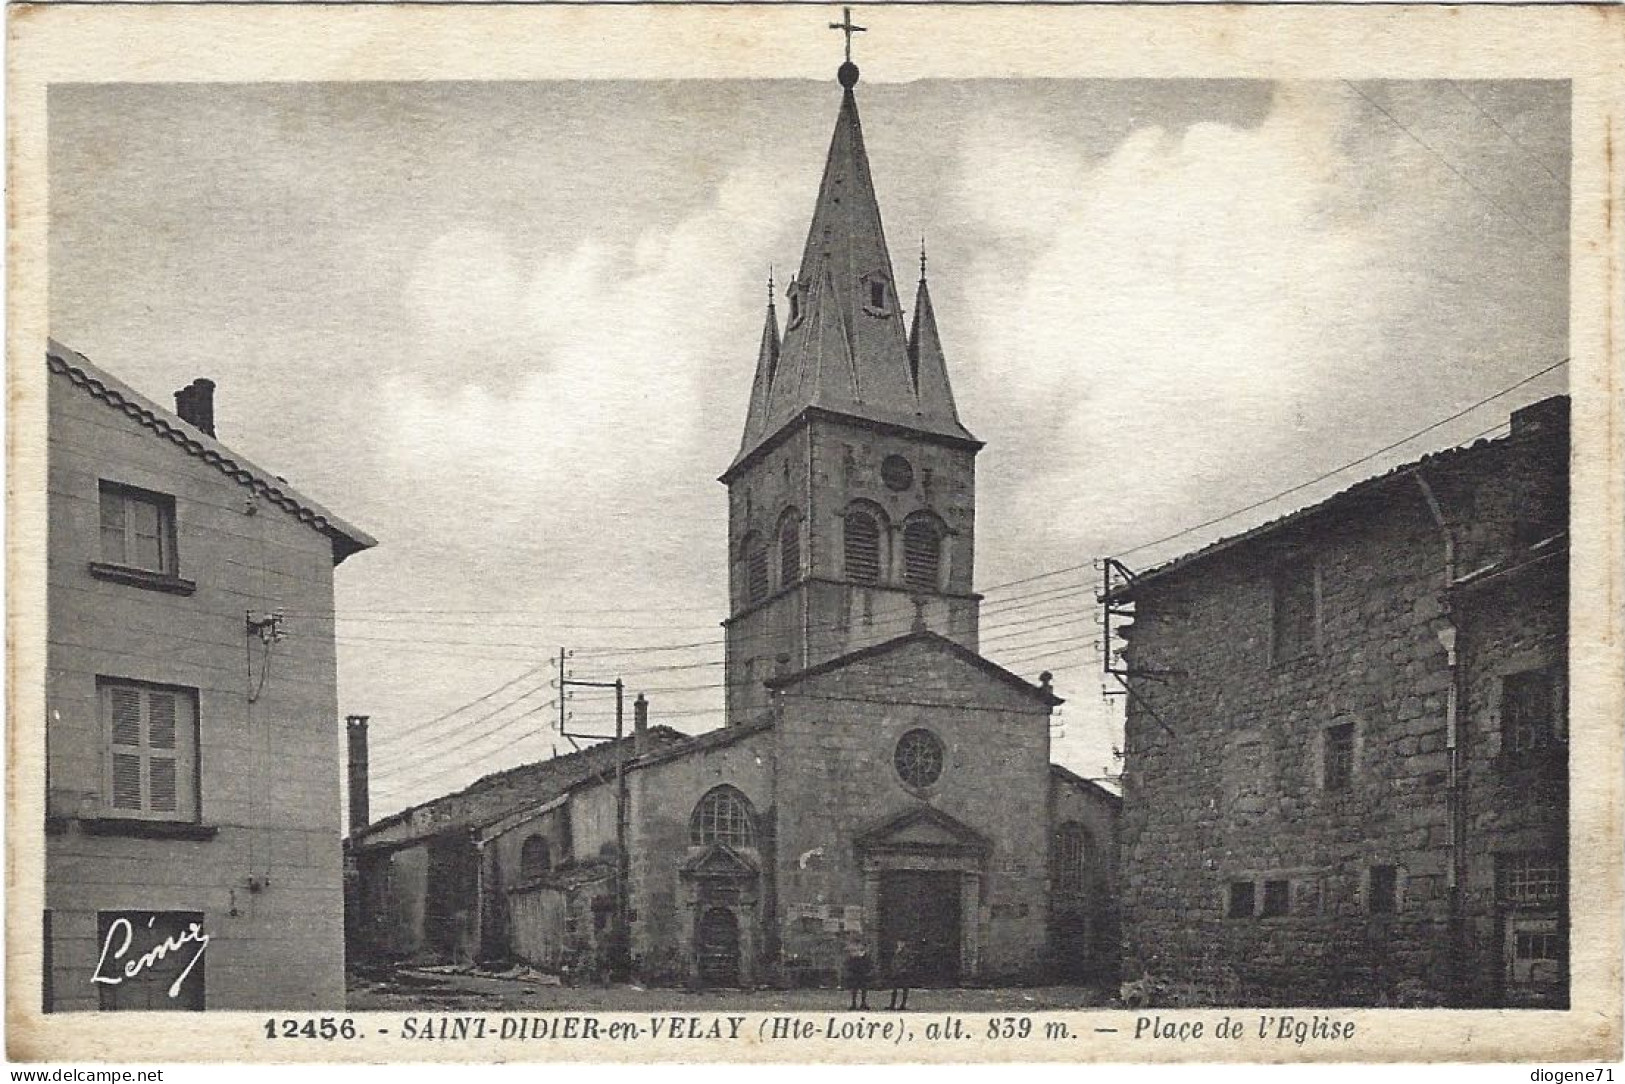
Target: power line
column 1468, row 181
column 1512, row 139
column 1352, row 463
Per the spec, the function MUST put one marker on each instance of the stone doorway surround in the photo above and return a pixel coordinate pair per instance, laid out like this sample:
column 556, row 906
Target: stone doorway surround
column 719, row 877
column 924, row 838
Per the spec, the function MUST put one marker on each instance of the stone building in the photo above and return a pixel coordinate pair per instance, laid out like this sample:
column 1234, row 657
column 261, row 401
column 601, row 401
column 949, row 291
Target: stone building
column 878, row 782
column 1346, row 762
column 192, row 753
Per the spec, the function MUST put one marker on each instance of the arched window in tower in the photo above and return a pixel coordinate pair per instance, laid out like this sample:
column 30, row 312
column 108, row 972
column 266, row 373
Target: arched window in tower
column 723, row 816
column 535, row 857
column 790, row 549
column 922, row 554
column 753, row 552
column 862, row 537
column 1074, row 858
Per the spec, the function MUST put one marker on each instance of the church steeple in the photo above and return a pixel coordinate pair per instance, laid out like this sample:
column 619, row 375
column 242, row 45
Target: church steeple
column 852, row 501
column 844, row 348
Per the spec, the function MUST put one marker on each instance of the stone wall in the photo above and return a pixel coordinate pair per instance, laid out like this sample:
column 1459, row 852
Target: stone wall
column 836, row 738
column 818, row 472
column 1226, row 778
column 663, row 796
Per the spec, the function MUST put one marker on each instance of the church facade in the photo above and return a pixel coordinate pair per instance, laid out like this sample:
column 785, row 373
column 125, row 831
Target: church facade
column 879, row 784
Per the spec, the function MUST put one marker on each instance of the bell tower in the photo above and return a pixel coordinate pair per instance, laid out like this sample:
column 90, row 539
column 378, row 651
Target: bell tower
column 852, row 501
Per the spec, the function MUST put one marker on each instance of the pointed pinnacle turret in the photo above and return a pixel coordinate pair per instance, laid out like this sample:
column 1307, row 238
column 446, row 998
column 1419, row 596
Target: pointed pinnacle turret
column 929, row 368
column 767, row 364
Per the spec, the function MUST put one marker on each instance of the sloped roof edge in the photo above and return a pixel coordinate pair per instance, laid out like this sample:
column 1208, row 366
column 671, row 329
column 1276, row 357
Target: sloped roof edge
column 1363, row 488
column 924, row 636
column 100, row 384
column 1067, row 775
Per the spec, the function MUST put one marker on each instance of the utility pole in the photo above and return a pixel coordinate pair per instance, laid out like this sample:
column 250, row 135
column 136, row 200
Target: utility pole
column 620, row 934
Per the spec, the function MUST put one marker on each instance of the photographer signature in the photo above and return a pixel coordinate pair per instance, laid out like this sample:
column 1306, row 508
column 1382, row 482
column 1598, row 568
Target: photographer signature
column 121, row 933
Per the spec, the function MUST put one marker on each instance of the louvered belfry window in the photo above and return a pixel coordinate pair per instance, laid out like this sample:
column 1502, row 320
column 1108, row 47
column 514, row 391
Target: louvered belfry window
column 862, row 547
column 151, row 750
column 790, row 552
column 756, row 581
column 922, row 555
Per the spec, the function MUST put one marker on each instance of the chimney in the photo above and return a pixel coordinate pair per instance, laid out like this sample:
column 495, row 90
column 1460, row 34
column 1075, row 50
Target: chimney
column 640, row 726
column 1546, row 417
column 195, row 404
column 356, row 727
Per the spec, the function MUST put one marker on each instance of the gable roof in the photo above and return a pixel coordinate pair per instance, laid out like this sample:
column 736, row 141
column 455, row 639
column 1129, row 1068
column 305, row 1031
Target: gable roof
column 496, row 797
column 930, row 639
column 102, row 385
column 1066, row 775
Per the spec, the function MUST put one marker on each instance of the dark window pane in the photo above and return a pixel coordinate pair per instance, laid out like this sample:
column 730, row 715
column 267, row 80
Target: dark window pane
column 1383, row 895
column 1528, row 709
column 1241, row 899
column 1277, row 898
column 1339, row 756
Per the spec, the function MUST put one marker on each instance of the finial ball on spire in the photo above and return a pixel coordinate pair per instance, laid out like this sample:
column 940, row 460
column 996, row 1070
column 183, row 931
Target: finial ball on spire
column 847, row 73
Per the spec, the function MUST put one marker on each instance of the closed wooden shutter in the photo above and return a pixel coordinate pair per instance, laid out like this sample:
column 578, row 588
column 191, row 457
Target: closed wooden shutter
column 151, row 750
column 124, row 705
column 862, row 548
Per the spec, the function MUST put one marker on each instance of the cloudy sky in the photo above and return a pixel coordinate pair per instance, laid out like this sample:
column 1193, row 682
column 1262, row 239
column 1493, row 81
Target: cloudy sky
column 510, row 329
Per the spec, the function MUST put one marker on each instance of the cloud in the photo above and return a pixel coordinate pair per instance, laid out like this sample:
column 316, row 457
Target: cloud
column 1184, row 297
column 565, row 385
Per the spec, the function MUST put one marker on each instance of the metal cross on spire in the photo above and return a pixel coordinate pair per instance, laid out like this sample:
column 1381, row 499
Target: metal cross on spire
column 848, row 27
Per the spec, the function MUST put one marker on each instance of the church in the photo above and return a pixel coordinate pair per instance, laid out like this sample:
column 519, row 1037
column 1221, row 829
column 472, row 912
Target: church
column 879, row 783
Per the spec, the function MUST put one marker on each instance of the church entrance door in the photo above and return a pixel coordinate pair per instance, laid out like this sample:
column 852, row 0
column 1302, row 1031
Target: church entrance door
column 719, row 948
column 921, row 908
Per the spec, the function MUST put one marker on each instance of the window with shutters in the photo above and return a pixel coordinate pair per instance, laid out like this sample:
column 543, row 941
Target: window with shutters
column 922, row 554
column 137, row 528
column 151, row 742
column 790, row 550
column 862, row 538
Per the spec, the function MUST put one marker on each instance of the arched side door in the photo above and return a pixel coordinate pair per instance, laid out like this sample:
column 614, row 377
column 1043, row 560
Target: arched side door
column 718, row 946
